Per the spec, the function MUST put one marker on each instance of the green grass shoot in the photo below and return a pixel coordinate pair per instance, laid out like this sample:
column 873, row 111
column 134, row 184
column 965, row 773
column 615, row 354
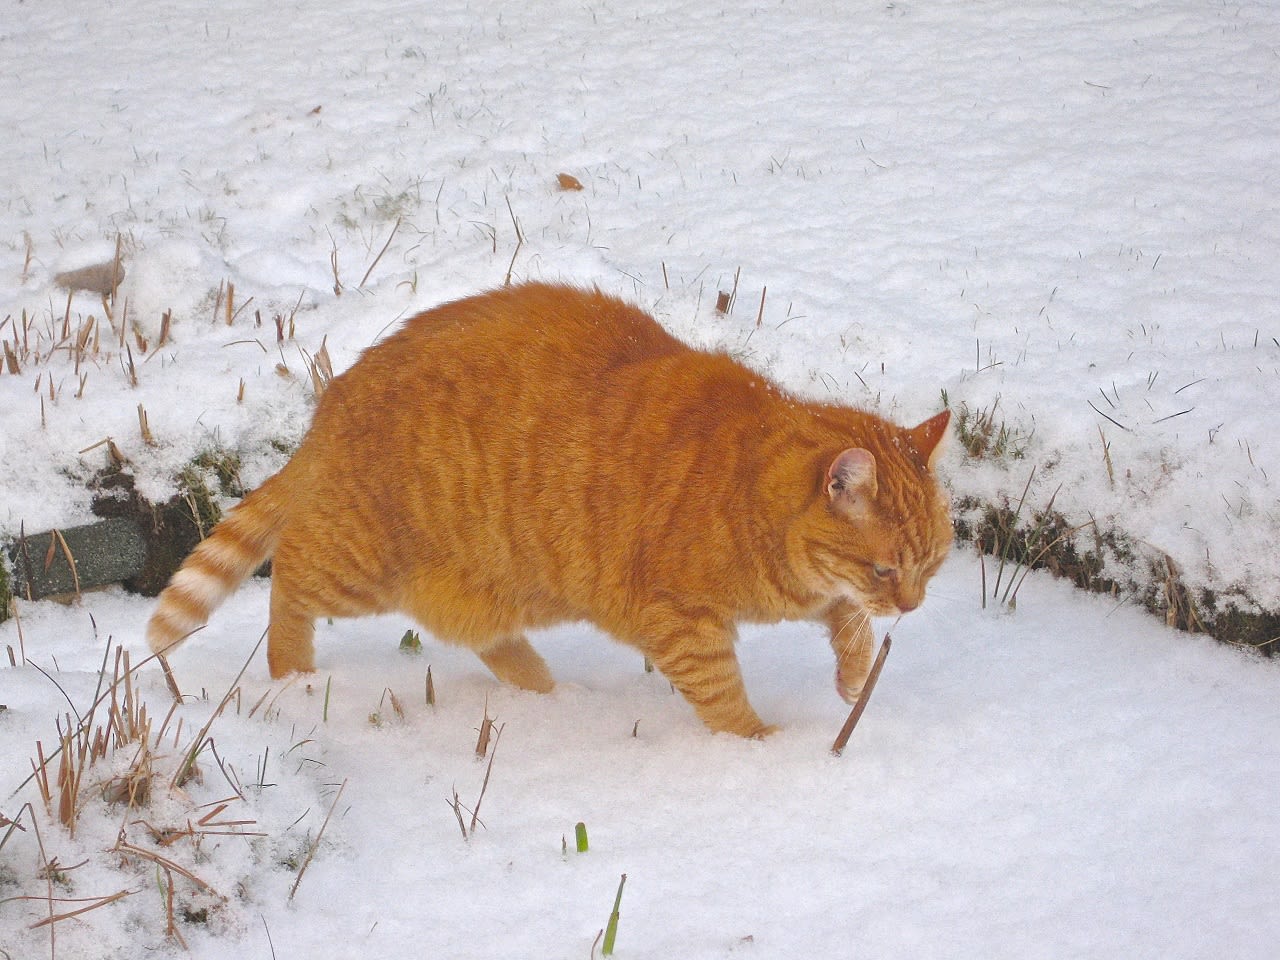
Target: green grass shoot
column 611, row 928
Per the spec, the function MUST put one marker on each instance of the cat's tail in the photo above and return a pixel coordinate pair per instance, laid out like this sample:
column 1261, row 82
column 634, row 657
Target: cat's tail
column 236, row 547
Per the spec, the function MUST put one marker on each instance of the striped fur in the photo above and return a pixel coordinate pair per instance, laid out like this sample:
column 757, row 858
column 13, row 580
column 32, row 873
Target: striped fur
column 238, row 545
column 542, row 453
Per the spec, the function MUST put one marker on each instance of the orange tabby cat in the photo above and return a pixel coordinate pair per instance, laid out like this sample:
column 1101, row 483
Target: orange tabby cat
column 543, row 453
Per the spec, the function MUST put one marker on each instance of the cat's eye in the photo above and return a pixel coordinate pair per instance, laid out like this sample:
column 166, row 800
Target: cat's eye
column 883, row 573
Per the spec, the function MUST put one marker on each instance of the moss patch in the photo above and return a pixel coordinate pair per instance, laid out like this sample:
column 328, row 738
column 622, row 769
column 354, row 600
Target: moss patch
column 222, row 466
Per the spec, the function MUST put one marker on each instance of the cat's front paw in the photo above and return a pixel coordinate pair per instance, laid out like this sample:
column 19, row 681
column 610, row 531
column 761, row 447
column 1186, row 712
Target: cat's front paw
column 849, row 689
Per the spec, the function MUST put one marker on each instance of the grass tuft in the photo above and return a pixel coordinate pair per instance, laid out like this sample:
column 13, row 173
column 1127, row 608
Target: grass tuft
column 1106, row 561
column 114, row 755
column 411, row 643
column 985, row 437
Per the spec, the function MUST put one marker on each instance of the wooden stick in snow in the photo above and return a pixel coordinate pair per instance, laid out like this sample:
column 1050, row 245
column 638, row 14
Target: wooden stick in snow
column 842, row 738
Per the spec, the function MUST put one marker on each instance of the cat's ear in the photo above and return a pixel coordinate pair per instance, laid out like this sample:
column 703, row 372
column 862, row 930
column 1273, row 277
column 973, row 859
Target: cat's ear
column 851, row 478
column 927, row 438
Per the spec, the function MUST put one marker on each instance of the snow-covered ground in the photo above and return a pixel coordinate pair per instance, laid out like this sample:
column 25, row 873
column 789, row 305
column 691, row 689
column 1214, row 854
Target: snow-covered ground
column 1066, row 211
column 1064, row 781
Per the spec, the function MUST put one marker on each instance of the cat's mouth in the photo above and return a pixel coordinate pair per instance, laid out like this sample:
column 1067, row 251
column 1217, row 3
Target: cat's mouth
column 884, row 609
column 876, row 606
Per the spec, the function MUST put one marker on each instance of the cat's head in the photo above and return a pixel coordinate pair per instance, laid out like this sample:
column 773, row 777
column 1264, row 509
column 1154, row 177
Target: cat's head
column 879, row 527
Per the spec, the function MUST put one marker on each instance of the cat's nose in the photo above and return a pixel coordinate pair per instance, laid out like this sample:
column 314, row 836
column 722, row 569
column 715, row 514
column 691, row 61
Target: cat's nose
column 908, row 600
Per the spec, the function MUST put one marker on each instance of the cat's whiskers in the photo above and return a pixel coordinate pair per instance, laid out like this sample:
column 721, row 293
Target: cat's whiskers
column 859, row 616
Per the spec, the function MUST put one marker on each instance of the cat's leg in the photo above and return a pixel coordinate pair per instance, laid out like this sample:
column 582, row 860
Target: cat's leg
column 513, row 660
column 853, row 643
column 307, row 583
column 291, row 633
column 696, row 654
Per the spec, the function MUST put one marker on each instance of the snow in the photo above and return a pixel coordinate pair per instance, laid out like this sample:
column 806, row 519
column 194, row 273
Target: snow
column 1063, row 209
column 1065, row 780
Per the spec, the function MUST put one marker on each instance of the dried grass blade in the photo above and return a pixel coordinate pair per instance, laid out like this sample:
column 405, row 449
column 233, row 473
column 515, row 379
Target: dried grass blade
column 316, row 844
column 184, row 769
column 99, row 902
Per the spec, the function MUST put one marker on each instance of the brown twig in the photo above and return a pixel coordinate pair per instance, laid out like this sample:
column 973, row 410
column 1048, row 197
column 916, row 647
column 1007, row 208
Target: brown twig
column 197, row 746
column 486, row 731
column 333, row 263
column 171, row 921
column 169, row 679
column 48, row 877
column 475, row 814
column 127, row 849
column 842, row 738
column 456, row 807
column 519, row 243
column 311, row 852
column 98, row 902
column 71, row 560
column 394, row 228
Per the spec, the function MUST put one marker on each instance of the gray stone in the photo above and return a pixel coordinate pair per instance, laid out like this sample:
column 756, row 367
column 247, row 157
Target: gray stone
column 104, row 552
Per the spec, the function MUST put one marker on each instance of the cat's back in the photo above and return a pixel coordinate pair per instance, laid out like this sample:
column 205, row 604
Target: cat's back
column 553, row 329
column 499, row 368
